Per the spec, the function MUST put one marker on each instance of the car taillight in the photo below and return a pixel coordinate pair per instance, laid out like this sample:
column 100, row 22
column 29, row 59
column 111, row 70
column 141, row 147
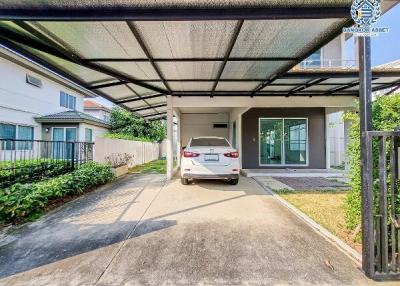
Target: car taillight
column 232, row 154
column 188, row 154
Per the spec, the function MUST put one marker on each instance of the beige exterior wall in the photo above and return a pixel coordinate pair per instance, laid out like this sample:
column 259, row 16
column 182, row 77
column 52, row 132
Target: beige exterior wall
column 142, row 152
column 201, row 124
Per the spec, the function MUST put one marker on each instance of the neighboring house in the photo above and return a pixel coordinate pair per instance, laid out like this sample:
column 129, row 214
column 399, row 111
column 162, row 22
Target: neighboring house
column 391, row 65
column 36, row 103
column 96, row 110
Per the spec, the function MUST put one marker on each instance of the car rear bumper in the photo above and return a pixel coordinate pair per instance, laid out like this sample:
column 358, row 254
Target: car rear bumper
column 210, row 176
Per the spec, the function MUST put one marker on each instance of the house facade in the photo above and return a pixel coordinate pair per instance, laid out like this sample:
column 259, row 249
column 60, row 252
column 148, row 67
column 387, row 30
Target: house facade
column 36, row 104
column 272, row 134
column 96, row 110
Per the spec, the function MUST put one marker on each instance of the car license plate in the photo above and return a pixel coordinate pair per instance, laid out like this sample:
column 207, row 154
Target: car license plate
column 211, row 157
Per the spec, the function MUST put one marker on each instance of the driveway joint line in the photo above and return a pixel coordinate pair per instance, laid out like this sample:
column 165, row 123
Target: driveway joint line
column 130, row 233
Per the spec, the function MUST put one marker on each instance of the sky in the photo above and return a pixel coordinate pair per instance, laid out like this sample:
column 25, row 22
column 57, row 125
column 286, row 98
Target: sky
column 385, row 47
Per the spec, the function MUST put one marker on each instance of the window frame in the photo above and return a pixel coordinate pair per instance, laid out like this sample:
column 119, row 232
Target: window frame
column 283, row 161
column 65, row 133
column 16, row 145
column 68, row 99
column 91, row 134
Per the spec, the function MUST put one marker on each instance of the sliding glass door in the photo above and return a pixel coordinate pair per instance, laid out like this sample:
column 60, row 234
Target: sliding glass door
column 62, row 135
column 283, row 141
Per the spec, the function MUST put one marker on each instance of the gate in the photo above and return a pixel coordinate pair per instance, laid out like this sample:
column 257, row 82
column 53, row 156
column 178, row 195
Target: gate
column 382, row 199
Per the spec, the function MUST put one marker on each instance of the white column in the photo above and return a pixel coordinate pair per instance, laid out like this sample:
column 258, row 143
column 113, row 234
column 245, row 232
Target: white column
column 327, row 141
column 170, row 134
column 178, row 138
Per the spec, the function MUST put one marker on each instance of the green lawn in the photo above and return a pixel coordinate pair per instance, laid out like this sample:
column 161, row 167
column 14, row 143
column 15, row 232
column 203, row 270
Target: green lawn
column 325, row 207
column 153, row 167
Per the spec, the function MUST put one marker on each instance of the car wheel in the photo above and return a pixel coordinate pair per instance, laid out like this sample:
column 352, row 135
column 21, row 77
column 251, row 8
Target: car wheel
column 184, row 181
column 233, row 181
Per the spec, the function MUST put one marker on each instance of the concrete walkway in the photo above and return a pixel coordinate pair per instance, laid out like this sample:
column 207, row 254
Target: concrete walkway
column 138, row 231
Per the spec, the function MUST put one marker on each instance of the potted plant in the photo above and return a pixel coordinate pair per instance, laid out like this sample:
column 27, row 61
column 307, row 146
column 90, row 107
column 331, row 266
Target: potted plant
column 119, row 163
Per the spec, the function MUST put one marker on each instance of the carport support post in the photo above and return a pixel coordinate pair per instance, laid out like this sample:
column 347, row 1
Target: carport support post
column 170, row 131
column 364, row 56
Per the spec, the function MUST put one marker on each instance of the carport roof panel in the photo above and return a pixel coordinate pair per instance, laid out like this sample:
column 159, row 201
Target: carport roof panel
column 173, row 46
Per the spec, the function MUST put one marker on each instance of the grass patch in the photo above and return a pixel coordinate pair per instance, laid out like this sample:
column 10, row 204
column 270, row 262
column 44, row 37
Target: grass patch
column 153, row 167
column 326, row 208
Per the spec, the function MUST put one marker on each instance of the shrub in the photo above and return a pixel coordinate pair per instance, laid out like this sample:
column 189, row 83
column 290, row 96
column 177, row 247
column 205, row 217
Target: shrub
column 23, row 201
column 385, row 117
column 26, row 171
column 117, row 159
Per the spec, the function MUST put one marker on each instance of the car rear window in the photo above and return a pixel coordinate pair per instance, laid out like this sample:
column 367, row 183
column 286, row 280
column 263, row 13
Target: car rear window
column 202, row 142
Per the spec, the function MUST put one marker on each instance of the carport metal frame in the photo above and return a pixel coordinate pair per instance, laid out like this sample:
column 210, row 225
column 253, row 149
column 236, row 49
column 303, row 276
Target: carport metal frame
column 118, row 14
column 47, row 45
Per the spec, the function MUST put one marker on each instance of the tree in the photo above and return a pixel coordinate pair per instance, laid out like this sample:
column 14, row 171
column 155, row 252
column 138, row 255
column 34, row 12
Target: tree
column 127, row 123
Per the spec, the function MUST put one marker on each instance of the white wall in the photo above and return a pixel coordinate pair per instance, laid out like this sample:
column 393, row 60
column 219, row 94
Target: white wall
column 97, row 131
column 201, row 124
column 142, row 152
column 98, row 113
column 20, row 101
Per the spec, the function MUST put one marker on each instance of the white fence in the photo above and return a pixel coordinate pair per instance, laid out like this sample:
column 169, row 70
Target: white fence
column 142, row 152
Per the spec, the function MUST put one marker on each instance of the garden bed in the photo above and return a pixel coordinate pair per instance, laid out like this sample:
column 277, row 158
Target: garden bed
column 153, row 167
column 25, row 202
column 326, row 207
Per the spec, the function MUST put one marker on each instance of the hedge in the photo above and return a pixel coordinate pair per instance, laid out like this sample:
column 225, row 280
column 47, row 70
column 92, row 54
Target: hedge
column 27, row 171
column 126, row 137
column 385, row 117
column 22, row 202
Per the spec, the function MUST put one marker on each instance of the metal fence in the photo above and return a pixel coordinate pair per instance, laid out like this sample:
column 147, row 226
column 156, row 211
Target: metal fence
column 383, row 189
column 25, row 161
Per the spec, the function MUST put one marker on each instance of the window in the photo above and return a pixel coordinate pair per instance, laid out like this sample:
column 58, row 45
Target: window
column 8, row 131
column 25, row 133
column 283, row 141
column 12, row 132
column 67, row 100
column 88, row 135
column 33, row 81
column 313, row 61
column 205, row 142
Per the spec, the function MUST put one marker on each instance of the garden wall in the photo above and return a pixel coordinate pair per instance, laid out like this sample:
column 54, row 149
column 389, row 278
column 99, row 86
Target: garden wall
column 142, row 152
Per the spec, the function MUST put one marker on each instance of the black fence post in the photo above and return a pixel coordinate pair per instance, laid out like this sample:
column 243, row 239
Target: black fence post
column 73, row 155
column 367, row 222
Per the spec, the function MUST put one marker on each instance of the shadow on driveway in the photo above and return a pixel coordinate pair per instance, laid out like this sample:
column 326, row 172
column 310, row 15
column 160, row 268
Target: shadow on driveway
column 97, row 220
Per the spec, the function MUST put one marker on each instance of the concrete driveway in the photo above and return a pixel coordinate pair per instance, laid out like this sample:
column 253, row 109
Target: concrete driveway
column 140, row 231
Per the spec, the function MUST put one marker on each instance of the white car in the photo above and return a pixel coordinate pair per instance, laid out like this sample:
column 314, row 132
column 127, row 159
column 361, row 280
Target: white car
column 209, row 158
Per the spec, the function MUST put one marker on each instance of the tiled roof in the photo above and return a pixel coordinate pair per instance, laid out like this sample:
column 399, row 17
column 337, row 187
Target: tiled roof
column 94, row 105
column 91, row 104
column 71, row 116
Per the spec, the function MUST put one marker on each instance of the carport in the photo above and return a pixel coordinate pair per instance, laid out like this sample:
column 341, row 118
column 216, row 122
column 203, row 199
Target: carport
column 160, row 58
